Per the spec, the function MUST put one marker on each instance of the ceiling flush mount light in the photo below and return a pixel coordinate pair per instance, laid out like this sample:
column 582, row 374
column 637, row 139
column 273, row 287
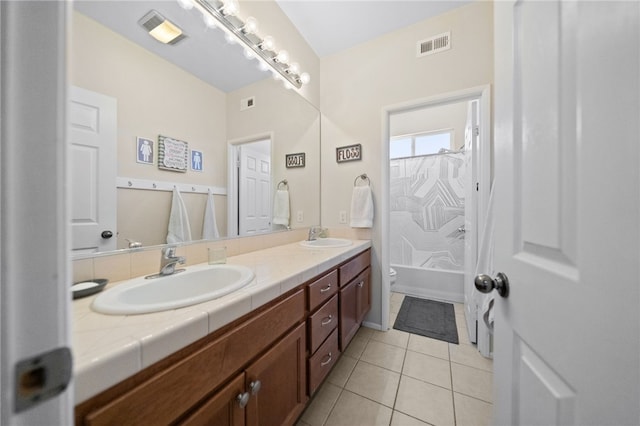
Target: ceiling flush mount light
column 161, row 29
column 225, row 14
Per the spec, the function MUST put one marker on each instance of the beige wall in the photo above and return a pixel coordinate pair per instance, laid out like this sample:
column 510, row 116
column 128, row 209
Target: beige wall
column 154, row 98
column 358, row 83
column 294, row 125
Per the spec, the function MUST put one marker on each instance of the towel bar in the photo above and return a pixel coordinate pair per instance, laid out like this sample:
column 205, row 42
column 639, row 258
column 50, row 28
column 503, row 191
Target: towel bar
column 283, row 182
column 363, row 177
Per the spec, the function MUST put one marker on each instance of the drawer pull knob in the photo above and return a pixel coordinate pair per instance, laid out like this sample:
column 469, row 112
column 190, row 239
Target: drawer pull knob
column 323, row 363
column 361, row 283
column 326, row 320
column 254, row 387
column 243, row 399
column 326, row 289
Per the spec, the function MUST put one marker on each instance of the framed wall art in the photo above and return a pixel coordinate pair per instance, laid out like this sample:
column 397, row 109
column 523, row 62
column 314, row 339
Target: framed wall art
column 144, row 150
column 173, row 154
column 349, row 153
column 294, row 160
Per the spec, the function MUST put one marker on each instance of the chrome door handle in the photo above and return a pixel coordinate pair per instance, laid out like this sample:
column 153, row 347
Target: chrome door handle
column 255, row 386
column 243, row 399
column 484, row 284
column 326, row 320
column 327, row 288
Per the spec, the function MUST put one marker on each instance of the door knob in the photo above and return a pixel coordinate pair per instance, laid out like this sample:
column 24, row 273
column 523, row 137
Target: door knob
column 484, row 284
column 106, row 234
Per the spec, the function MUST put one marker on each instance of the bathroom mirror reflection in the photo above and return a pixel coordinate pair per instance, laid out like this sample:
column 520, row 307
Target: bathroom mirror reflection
column 128, row 89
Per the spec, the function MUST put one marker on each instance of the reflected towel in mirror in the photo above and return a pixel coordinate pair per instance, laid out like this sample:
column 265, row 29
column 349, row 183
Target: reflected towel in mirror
column 281, row 208
column 361, row 207
column 179, row 229
column 209, row 227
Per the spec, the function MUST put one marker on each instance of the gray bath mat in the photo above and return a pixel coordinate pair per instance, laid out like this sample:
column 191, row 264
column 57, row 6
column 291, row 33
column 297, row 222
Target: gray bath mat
column 428, row 318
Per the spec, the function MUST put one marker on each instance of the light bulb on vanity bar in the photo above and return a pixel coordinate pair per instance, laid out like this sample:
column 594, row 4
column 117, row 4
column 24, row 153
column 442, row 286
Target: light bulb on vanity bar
column 250, row 25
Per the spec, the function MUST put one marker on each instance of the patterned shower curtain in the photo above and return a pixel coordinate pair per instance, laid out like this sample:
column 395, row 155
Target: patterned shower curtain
column 427, row 208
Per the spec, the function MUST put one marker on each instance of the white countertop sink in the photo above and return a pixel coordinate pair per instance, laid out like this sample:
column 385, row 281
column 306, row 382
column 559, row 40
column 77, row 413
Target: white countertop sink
column 326, row 243
column 195, row 285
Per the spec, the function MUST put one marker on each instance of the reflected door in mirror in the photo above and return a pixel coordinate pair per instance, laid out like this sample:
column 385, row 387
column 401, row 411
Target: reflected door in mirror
column 254, row 197
column 92, row 131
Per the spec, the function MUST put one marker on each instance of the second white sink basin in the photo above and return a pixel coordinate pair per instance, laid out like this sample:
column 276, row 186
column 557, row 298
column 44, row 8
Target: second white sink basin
column 326, row 243
column 196, row 285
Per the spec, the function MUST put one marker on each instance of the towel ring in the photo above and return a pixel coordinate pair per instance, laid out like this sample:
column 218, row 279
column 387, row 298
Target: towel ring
column 283, row 182
column 363, row 177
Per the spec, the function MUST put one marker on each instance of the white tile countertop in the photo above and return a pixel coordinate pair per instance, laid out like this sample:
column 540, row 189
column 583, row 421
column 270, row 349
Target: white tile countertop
column 110, row 348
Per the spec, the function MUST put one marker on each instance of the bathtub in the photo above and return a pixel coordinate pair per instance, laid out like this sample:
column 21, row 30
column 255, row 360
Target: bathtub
column 437, row 284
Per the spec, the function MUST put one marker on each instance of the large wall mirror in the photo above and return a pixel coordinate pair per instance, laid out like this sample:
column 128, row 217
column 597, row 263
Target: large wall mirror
column 134, row 92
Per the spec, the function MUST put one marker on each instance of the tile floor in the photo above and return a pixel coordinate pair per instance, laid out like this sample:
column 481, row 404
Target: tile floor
column 397, row 378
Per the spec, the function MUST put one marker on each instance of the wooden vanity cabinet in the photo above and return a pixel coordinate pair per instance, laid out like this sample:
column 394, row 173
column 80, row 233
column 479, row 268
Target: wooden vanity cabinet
column 271, row 391
column 180, row 384
column 260, row 369
column 355, row 296
column 322, row 323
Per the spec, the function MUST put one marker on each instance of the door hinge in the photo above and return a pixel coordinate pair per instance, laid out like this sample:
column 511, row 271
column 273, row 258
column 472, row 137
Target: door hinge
column 477, row 130
column 42, row 377
column 477, row 186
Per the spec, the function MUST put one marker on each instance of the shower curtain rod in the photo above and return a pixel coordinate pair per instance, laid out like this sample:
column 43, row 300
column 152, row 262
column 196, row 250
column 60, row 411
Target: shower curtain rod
column 460, row 151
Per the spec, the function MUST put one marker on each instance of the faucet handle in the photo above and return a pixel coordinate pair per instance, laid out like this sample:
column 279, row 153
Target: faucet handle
column 169, row 252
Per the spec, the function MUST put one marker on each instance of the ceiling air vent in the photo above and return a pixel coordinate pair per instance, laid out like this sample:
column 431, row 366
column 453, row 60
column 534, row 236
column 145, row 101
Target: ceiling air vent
column 435, row 44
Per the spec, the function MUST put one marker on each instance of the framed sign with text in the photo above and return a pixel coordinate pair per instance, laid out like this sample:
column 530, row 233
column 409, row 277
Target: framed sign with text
column 294, row 160
column 349, row 153
column 173, row 154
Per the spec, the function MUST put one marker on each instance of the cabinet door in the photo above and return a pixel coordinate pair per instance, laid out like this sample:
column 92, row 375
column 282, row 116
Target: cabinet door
column 363, row 285
column 348, row 314
column 277, row 382
column 225, row 408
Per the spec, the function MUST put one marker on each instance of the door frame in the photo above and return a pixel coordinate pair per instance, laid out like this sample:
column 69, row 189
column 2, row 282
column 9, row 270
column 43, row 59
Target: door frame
column 483, row 93
column 232, row 177
column 34, row 250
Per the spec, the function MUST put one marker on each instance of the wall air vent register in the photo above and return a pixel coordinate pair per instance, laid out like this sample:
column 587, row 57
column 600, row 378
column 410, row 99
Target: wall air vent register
column 435, row 44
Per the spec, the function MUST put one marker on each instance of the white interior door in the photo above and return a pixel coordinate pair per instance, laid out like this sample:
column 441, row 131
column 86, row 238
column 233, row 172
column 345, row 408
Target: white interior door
column 471, row 236
column 255, row 190
column 567, row 212
column 93, row 133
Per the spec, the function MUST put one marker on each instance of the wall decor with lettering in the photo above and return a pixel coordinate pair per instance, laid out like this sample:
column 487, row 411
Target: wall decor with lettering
column 173, row 154
column 294, row 160
column 349, row 153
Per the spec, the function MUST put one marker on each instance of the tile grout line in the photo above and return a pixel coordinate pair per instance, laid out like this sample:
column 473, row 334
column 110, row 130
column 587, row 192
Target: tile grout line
column 453, row 399
column 395, row 399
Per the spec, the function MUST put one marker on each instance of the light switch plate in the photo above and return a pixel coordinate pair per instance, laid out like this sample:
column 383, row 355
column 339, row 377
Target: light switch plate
column 300, row 216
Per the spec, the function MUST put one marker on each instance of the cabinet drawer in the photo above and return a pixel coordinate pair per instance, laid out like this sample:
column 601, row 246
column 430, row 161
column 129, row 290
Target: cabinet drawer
column 322, row 323
column 352, row 268
column 176, row 389
column 322, row 289
column 322, row 361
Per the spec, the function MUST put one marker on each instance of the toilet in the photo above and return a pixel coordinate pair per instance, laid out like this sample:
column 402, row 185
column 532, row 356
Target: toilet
column 392, row 276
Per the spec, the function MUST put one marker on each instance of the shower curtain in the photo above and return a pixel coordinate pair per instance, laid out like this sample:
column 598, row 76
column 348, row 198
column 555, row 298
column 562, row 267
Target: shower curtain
column 427, row 211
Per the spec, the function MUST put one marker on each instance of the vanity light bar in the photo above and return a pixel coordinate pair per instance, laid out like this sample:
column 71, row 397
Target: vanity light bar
column 234, row 26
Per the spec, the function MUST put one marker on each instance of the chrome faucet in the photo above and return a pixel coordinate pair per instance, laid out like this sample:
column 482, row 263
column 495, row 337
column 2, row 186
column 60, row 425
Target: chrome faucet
column 168, row 261
column 315, row 232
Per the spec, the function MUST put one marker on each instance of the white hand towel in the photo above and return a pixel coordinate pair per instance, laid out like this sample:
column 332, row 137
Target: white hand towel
column 179, row 229
column 281, row 208
column 209, row 227
column 361, row 207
